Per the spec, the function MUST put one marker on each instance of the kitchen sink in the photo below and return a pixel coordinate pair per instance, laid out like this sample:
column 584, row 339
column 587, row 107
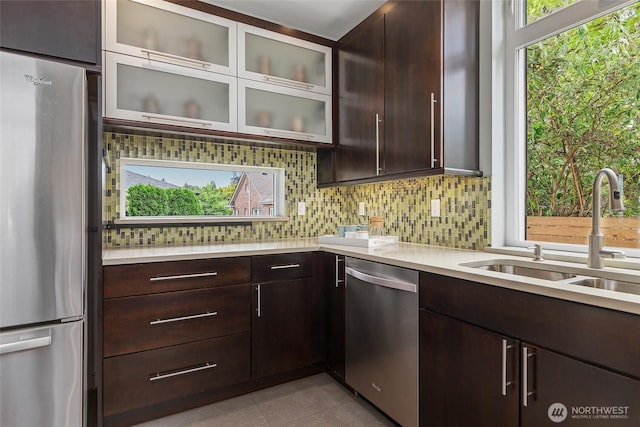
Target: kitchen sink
column 570, row 275
column 538, row 273
column 608, row 284
column 520, row 268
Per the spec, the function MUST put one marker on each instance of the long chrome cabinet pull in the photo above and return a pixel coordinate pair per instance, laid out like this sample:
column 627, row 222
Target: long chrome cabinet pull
column 199, row 63
column 182, row 276
column 281, row 267
column 287, row 82
column 505, row 381
column 172, row 119
column 25, row 345
column 525, row 373
column 289, row 134
column 179, row 319
column 378, row 170
column 338, row 281
column 434, row 160
column 207, row 365
column 258, row 308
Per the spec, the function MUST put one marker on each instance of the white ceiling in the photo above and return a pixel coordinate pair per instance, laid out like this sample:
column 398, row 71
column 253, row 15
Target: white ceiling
column 330, row 19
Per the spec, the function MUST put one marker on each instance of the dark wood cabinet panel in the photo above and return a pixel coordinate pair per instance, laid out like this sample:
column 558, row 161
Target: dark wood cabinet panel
column 360, row 101
column 318, row 309
column 465, row 379
column 575, row 361
column 67, row 29
column 590, row 396
column 412, row 72
column 423, row 85
column 141, row 379
column 151, row 321
column 607, row 338
column 335, row 282
column 266, row 268
column 141, row 279
column 281, row 326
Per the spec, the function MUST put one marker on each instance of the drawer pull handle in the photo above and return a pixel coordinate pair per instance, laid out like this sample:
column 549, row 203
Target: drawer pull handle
column 207, row 365
column 289, row 134
column 203, row 123
column 179, row 319
column 182, row 276
column 505, row 380
column 192, row 62
column 287, row 82
column 281, row 267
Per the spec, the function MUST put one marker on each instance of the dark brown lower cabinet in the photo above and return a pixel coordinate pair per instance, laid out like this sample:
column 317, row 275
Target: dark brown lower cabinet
column 335, row 282
column 281, row 326
column 478, row 365
column 465, row 378
column 564, row 391
column 145, row 378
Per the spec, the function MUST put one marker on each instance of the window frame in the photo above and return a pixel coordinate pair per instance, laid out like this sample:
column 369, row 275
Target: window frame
column 278, row 194
column 517, row 37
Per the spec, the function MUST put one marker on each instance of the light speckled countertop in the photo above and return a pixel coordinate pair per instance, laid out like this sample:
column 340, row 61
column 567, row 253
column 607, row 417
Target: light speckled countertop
column 432, row 259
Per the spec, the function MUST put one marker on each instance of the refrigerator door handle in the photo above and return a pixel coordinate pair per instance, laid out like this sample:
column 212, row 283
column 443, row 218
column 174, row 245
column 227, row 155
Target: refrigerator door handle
column 30, row 344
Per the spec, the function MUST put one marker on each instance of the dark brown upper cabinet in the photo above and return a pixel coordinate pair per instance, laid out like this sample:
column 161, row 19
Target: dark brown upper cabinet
column 408, row 94
column 65, row 29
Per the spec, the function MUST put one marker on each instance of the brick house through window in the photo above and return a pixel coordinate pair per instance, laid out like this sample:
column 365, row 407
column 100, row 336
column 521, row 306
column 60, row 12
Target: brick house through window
column 253, row 195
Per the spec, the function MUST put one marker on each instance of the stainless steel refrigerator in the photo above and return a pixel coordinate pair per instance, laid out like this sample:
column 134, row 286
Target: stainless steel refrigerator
column 42, row 242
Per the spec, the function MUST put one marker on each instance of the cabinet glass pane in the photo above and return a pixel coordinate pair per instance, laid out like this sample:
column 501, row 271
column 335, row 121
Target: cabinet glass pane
column 279, row 59
column 155, row 29
column 157, row 92
column 284, row 112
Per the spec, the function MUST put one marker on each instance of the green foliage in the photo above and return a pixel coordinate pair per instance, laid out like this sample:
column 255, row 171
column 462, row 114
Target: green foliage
column 146, row 200
column 190, row 200
column 182, row 201
column 214, row 200
column 583, row 99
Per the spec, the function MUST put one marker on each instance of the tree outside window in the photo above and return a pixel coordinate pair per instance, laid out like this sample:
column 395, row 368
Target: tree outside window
column 582, row 114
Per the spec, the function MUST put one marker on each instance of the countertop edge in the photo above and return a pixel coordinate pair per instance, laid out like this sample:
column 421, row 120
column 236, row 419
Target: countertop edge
column 429, row 259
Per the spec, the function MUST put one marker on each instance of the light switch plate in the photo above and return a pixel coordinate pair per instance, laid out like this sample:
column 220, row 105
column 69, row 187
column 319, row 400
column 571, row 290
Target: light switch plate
column 361, row 209
column 302, row 208
column 435, row 208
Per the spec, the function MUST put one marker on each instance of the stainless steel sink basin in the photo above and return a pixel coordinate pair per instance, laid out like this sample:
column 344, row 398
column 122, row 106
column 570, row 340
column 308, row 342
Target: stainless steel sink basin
column 519, row 270
column 580, row 276
column 608, row 284
column 538, row 273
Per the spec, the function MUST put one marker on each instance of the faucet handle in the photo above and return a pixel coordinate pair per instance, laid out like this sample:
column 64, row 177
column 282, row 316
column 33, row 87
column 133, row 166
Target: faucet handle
column 613, row 254
column 537, row 252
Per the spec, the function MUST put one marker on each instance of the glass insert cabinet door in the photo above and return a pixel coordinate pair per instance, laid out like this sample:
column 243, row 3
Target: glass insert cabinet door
column 280, row 112
column 283, row 60
column 162, row 31
column 136, row 89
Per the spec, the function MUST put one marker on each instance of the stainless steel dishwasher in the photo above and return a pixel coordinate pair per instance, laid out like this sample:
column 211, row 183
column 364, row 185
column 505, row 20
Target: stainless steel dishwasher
column 381, row 345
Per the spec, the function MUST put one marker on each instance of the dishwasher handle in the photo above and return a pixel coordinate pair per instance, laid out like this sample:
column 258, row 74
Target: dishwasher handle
column 382, row 281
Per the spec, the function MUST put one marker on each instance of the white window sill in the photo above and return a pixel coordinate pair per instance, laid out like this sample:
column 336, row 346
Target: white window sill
column 141, row 220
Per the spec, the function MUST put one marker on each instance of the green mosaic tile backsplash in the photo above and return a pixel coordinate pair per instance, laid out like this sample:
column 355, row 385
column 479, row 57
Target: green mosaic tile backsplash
column 465, row 201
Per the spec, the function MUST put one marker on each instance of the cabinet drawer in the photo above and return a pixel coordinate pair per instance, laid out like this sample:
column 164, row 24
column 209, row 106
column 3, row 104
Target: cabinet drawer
column 145, row 322
column 149, row 377
column 139, row 279
column 267, row 268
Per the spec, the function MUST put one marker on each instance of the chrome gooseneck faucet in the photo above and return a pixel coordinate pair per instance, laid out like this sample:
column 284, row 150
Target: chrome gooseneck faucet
column 596, row 238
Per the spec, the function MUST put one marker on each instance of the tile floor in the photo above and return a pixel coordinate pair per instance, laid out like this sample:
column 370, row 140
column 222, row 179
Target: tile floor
column 316, row 401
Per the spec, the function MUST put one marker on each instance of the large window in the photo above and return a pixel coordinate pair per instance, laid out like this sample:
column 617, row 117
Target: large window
column 573, row 69
column 156, row 191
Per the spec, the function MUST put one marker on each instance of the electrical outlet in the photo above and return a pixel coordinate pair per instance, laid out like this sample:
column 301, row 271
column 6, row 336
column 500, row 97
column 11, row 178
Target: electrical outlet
column 302, row 208
column 361, row 209
column 435, row 208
